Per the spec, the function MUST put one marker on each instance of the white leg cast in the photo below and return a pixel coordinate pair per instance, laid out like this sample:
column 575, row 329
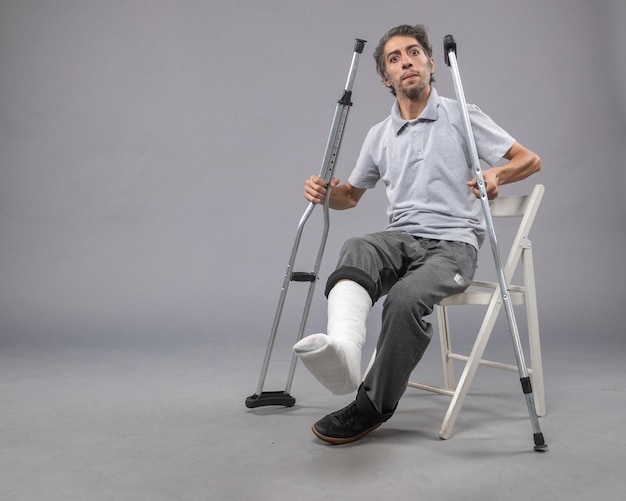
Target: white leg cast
column 335, row 358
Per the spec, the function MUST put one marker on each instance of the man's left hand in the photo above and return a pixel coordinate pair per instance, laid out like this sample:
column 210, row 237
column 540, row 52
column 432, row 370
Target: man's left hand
column 491, row 180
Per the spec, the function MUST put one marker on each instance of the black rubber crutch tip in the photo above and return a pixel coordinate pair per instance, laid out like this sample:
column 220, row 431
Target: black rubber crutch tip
column 540, row 444
column 270, row 398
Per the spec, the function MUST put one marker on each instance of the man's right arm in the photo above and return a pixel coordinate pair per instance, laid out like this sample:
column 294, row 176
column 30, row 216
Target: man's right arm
column 344, row 196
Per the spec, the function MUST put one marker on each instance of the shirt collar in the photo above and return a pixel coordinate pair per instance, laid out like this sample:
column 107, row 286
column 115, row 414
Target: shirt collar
column 431, row 112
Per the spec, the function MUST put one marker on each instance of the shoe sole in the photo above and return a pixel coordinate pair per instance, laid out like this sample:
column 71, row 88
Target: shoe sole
column 339, row 441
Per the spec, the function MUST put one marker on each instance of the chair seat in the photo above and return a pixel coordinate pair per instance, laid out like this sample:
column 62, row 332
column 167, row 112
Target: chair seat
column 475, row 297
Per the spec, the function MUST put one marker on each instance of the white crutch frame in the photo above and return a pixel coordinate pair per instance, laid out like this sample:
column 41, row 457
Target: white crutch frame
column 449, row 47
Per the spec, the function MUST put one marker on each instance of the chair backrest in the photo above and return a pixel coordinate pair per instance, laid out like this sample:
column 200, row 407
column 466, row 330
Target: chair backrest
column 525, row 207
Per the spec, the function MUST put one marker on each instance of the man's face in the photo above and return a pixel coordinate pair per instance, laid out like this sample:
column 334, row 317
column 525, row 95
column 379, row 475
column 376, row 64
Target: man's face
column 407, row 67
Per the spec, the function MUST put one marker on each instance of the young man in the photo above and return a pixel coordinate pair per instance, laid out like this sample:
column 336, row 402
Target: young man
column 429, row 249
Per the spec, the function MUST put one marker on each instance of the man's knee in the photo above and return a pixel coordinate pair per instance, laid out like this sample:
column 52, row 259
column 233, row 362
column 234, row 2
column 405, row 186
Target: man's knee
column 356, row 246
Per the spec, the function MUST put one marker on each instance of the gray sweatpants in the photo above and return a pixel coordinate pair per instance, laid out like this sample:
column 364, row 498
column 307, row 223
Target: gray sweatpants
column 415, row 274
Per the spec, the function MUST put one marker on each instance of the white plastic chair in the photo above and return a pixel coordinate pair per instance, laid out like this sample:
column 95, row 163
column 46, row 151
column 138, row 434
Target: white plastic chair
column 488, row 294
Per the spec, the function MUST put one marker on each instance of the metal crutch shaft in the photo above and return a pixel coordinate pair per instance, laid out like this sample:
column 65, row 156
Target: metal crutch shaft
column 449, row 46
column 262, row 398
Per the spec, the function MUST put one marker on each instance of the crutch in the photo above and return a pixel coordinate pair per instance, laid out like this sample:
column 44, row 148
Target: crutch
column 449, row 48
column 262, row 398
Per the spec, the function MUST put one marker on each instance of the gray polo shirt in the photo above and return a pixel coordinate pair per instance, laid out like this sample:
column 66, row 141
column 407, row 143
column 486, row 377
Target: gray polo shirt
column 424, row 166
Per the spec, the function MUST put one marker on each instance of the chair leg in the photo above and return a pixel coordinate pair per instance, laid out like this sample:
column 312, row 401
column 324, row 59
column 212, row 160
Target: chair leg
column 472, row 364
column 533, row 333
column 446, row 347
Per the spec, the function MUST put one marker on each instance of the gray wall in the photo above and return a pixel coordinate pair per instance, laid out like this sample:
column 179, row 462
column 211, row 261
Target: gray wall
column 152, row 154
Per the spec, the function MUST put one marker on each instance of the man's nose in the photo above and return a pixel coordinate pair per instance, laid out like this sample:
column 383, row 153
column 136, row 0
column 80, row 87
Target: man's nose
column 406, row 62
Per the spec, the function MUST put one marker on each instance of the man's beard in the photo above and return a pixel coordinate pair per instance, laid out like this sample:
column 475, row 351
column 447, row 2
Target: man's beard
column 413, row 92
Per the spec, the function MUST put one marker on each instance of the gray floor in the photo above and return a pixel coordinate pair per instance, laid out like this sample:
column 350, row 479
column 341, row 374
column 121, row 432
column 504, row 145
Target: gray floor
column 131, row 423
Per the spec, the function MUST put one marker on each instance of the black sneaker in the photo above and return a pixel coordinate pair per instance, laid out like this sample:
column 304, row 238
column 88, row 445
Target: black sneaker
column 345, row 425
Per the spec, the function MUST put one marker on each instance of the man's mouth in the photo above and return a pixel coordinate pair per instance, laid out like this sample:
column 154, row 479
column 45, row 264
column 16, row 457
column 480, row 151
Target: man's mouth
column 410, row 75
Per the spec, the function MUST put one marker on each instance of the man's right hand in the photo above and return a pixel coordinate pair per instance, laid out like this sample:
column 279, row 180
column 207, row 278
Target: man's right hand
column 315, row 188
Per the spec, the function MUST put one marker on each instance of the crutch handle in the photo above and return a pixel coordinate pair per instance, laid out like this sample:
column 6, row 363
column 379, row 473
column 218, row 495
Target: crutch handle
column 359, row 45
column 448, row 45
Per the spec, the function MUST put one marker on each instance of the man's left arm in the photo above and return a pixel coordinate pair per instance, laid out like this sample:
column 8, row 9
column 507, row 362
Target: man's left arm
column 522, row 162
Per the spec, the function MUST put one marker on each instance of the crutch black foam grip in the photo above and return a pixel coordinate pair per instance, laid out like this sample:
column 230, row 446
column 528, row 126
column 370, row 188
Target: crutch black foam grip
column 359, row 45
column 303, row 276
column 448, row 45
